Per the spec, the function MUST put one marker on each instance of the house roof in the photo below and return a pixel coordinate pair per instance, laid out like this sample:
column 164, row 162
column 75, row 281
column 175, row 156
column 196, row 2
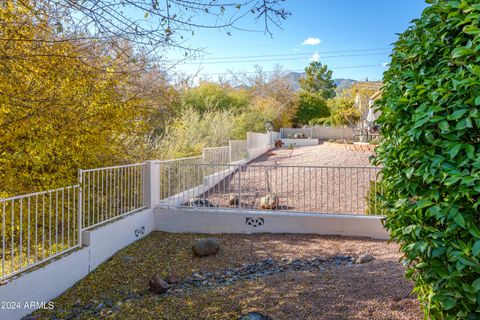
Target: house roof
column 371, row 85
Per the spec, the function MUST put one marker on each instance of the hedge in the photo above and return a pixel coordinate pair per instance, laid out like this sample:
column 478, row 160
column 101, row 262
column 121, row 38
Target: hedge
column 430, row 156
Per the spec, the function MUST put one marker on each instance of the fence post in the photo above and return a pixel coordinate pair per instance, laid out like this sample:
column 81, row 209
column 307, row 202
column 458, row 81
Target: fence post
column 240, row 185
column 230, row 151
column 80, row 206
column 151, row 184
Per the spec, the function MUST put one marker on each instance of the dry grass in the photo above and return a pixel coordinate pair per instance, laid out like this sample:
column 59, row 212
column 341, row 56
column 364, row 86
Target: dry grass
column 376, row 290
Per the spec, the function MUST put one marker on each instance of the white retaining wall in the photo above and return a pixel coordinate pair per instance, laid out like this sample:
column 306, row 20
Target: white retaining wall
column 299, row 142
column 47, row 282
column 323, row 133
column 103, row 242
column 232, row 221
column 42, row 285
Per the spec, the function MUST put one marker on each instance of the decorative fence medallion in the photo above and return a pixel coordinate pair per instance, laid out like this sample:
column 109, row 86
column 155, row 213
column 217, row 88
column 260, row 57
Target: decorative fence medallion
column 254, row 222
column 140, row 231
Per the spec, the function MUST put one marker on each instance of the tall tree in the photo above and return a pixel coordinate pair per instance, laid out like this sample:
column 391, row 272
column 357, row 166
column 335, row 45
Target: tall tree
column 318, row 79
column 82, row 84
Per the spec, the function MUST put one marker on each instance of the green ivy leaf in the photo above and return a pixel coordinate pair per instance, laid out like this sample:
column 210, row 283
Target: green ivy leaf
column 409, row 172
column 459, row 220
column 476, row 285
column 461, row 52
column 454, row 150
column 423, row 203
column 476, row 248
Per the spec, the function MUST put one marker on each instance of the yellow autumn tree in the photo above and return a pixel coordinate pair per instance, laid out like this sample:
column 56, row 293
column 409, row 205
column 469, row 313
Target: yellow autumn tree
column 63, row 104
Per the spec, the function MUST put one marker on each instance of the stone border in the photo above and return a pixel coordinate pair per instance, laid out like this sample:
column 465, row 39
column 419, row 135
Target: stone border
column 358, row 147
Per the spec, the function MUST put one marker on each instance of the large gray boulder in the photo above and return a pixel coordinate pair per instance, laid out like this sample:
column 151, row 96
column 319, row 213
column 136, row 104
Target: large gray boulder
column 270, row 201
column 299, row 135
column 206, row 247
column 199, row 202
column 364, row 258
column 158, row 285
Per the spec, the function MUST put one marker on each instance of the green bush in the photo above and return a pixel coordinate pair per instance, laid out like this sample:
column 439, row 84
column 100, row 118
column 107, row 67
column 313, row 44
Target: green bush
column 311, row 106
column 430, row 156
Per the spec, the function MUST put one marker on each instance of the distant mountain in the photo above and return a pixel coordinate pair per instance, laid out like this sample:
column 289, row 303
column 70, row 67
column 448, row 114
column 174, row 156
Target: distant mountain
column 295, row 80
column 343, row 83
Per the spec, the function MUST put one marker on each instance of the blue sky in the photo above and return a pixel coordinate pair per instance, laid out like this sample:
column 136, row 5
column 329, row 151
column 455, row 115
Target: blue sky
column 352, row 37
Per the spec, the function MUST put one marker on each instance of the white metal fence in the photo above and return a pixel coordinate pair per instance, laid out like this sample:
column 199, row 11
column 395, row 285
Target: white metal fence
column 238, row 150
column 111, row 192
column 37, row 227
column 40, row 226
column 316, row 189
column 216, row 155
column 257, row 140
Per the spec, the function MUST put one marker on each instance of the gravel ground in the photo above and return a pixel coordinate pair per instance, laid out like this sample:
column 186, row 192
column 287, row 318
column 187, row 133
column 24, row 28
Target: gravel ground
column 302, row 182
column 117, row 288
column 321, row 155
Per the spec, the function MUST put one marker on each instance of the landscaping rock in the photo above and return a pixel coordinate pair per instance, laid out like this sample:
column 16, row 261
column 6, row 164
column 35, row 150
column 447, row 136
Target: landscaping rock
column 270, row 201
column 126, row 259
column 364, row 258
column 158, row 285
column 299, row 135
column 172, row 278
column 206, row 247
column 198, row 202
column 233, row 199
column 254, row 316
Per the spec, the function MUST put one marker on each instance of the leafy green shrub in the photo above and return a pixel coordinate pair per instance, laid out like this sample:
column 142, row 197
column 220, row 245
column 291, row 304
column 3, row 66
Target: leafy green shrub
column 430, row 156
column 311, row 106
column 209, row 96
column 188, row 134
column 374, row 142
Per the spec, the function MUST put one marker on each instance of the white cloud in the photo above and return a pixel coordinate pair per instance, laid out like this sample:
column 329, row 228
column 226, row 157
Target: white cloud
column 385, row 64
column 311, row 41
column 315, row 57
column 296, row 49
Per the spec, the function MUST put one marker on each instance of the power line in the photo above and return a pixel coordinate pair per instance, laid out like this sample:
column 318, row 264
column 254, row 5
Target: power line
column 299, row 44
column 282, row 59
column 283, row 54
column 298, row 70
